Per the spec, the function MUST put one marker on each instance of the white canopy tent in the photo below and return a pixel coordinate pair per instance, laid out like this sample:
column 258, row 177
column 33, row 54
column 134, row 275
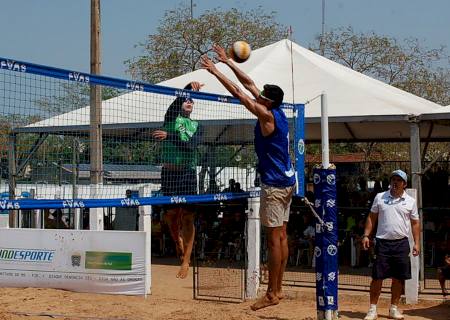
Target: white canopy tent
column 360, row 108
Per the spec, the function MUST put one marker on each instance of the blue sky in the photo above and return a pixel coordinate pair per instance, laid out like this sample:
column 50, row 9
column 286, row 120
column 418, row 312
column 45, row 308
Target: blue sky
column 56, row 32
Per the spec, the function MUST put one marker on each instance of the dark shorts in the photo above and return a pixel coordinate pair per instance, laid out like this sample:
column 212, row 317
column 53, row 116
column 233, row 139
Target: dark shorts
column 445, row 272
column 181, row 182
column 392, row 259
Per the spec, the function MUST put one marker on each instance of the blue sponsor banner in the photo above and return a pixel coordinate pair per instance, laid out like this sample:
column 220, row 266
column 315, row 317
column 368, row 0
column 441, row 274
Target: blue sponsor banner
column 120, row 202
column 82, row 77
column 299, row 146
column 326, row 246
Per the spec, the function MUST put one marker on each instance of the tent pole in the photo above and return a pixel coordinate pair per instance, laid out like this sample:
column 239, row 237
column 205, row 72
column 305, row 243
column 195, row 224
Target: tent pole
column 324, row 131
column 416, row 182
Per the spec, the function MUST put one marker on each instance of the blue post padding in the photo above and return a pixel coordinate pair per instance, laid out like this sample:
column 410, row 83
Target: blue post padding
column 326, row 240
column 299, row 146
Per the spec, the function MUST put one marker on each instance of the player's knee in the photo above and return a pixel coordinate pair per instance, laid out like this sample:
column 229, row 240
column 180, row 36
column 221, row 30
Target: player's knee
column 188, row 217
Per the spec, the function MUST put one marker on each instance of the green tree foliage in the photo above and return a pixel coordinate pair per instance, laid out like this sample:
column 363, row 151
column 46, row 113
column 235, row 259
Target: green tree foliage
column 180, row 41
column 406, row 65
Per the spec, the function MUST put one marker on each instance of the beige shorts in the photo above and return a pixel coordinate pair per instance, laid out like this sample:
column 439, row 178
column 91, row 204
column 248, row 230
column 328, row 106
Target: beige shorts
column 275, row 205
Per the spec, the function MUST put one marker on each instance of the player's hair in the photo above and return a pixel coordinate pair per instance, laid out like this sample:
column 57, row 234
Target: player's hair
column 175, row 107
column 274, row 93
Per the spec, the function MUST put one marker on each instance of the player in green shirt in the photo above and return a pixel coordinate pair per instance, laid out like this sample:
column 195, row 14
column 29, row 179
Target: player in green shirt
column 180, row 136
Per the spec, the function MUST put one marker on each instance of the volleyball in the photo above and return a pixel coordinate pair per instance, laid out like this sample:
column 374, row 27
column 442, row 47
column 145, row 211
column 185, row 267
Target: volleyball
column 240, row 51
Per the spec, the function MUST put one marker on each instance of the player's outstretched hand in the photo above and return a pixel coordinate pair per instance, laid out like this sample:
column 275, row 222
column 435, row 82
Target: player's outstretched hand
column 159, row 134
column 208, row 64
column 221, row 54
column 196, row 86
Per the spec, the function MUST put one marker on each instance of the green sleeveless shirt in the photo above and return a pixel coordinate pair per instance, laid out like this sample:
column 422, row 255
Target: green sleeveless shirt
column 175, row 150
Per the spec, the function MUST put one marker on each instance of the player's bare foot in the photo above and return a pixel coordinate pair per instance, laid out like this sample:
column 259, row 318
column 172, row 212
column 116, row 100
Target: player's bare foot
column 280, row 295
column 265, row 301
column 183, row 272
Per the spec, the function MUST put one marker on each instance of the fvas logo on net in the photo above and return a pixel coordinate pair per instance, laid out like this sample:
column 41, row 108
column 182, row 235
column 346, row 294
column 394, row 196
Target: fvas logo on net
column 219, row 196
column 9, row 205
column 177, row 199
column 13, row 65
column 182, row 94
column 26, row 255
column 78, row 77
column 222, row 99
column 254, row 194
column 130, row 202
column 73, row 204
column 135, row 86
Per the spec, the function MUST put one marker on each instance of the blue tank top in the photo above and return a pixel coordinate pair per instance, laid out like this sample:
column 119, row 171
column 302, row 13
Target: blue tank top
column 275, row 166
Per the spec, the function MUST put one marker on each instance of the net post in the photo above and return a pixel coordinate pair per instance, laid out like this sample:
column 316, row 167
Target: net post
column 253, row 248
column 326, row 243
column 95, row 214
column 12, row 176
column 38, row 218
column 145, row 224
column 77, row 219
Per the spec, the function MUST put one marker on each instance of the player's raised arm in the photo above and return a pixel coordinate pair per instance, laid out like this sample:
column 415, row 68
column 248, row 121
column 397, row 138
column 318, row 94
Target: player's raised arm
column 263, row 114
column 246, row 81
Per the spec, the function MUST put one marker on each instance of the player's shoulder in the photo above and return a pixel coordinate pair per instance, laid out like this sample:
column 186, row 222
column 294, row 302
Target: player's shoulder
column 407, row 197
column 280, row 118
column 382, row 194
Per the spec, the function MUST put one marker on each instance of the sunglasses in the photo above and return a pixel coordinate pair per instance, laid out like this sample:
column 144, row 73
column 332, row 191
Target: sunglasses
column 189, row 100
column 262, row 96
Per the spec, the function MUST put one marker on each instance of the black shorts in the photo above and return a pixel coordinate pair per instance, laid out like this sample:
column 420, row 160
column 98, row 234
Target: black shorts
column 392, row 259
column 445, row 272
column 180, row 182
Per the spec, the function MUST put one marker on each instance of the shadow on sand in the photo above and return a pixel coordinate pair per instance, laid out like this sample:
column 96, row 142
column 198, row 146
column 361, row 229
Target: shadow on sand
column 352, row 314
column 439, row 312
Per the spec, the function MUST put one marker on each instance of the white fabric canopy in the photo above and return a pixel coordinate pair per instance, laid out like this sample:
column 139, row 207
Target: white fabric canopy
column 350, row 93
column 445, row 109
column 360, row 108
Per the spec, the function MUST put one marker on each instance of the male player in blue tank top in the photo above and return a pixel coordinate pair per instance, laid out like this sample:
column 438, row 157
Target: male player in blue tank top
column 275, row 167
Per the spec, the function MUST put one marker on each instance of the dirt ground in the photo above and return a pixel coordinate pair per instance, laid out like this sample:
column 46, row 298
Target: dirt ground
column 172, row 299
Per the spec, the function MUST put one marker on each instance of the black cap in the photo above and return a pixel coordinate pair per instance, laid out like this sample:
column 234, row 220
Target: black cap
column 274, row 93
